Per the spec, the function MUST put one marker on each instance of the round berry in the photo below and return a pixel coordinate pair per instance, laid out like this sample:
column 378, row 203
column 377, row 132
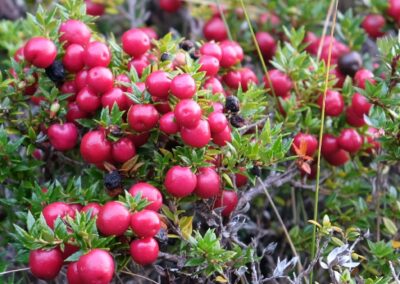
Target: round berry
column 113, row 219
column 338, row 158
column 97, row 266
column 170, row 6
column 350, row 63
column 73, row 59
column 80, row 79
column 123, row 150
column 45, row 264
column 95, row 148
column 100, row 79
column 362, row 76
column 183, row 86
column 114, row 96
column 149, row 192
column 87, row 100
column 353, row 119
column 360, row 105
column 168, row 124
column 142, row 117
column 97, row 54
column 267, row 44
column 139, row 139
column 187, row 113
column 223, row 137
column 135, row 42
column 350, row 140
column 373, row 25
column 211, row 49
column 208, row 183
column 280, row 82
column 215, row 29
column 63, row 137
column 197, row 137
column 145, row 224
column 229, row 56
column 158, row 84
column 144, row 251
column 394, row 10
column 139, row 64
column 334, row 103
column 92, row 207
column 214, row 85
column 330, row 145
column 74, row 32
column 247, row 77
column 209, row 64
column 233, row 79
column 94, row 9
column 228, row 200
column 121, row 81
column 73, row 274
column 40, row 51
column 232, row 104
column 309, row 141
column 180, row 181
column 56, row 209
column 217, row 122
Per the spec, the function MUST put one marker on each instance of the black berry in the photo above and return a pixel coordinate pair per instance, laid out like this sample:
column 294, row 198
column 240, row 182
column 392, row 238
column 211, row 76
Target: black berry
column 350, row 63
column 165, row 56
column 113, row 181
column 56, row 72
column 237, row 121
column 186, row 45
column 232, row 104
column 256, row 170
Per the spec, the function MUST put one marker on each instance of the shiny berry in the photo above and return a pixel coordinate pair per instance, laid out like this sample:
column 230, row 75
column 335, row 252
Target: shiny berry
column 170, row 6
column 350, row 63
column 94, row 9
column 95, row 148
column 168, row 124
column 209, row 64
column 233, row 79
column 73, row 59
column 211, row 49
column 74, row 32
column 180, row 181
column 80, row 79
column 280, row 82
column 139, row 64
column 338, row 158
column 198, row 136
column 353, row 119
column 56, row 209
column 183, row 86
column 63, row 137
column 144, row 251
column 114, row 96
column 187, row 113
column 360, row 105
column 214, row 85
column 215, row 29
column 208, row 183
column 97, row 266
column 373, row 25
column 247, row 77
column 145, row 223
column 221, row 138
column 73, row 274
column 267, row 44
column 87, row 100
column 123, row 150
column 232, row 104
column 149, row 192
column 228, row 200
column 135, row 42
column 100, row 79
column 74, row 113
column 56, row 72
column 350, row 140
column 45, row 264
column 113, row 219
column 334, row 103
column 330, row 145
column 40, row 51
column 92, row 207
column 97, row 54
column 394, row 10
column 158, row 84
column 142, row 117
column 217, row 122
column 362, row 76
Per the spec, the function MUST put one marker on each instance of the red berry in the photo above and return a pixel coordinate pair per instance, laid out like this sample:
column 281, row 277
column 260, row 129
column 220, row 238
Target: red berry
column 168, row 124
column 73, row 59
column 144, row 251
column 228, row 200
column 217, row 122
column 180, row 181
column 142, row 117
column 334, row 103
column 113, row 219
column 233, row 79
column 93, row 207
column 63, row 137
column 158, row 84
column 114, row 96
column 69, row 250
column 394, row 10
column 267, row 44
column 170, row 6
column 330, row 145
column 73, row 274
column 214, row 85
column 353, row 119
column 150, row 32
column 148, row 192
column 135, row 42
column 229, row 56
column 74, row 32
column 69, row 87
column 211, row 49
column 162, row 105
column 100, row 79
column 209, row 64
column 215, row 29
column 97, row 54
column 123, row 150
column 311, row 143
column 338, row 158
column 183, row 86
column 38, row 154
column 80, row 79
column 187, row 113
column 350, row 140
column 97, row 266
column 362, row 76
column 373, row 25
column 199, row 136
column 221, row 138
column 87, row 100
column 139, row 64
column 145, row 224
column 121, row 81
column 371, row 136
column 247, row 76
column 95, row 148
column 74, row 112
column 238, row 49
column 56, row 209
column 281, row 83
column 208, row 183
column 241, row 180
column 338, row 76
column 94, row 9
column 40, row 51
column 45, row 264
column 360, row 105
column 19, row 54
column 139, row 139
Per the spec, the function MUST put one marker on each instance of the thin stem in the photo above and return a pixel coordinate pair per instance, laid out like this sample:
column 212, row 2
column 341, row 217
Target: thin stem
column 289, row 239
column 321, row 132
column 221, row 12
column 328, row 16
column 264, row 66
column 15, row 270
